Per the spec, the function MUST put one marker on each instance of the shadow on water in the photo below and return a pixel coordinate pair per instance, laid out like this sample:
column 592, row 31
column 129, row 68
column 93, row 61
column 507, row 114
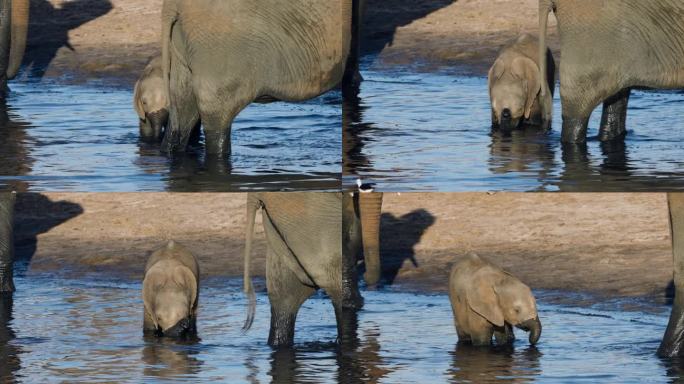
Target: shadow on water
column 405, row 232
column 485, row 365
column 36, row 214
column 49, row 29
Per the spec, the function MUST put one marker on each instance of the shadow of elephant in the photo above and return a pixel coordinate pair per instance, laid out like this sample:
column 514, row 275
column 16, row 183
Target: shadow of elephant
column 381, row 20
column 49, row 28
column 398, row 238
column 36, row 214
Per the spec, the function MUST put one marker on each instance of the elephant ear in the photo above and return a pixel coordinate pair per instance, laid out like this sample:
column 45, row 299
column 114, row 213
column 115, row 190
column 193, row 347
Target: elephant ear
column 526, row 69
column 184, row 278
column 495, row 72
column 153, row 280
column 137, row 101
column 482, row 298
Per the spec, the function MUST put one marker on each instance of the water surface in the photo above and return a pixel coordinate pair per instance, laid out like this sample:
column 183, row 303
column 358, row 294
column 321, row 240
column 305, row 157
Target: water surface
column 432, row 132
column 410, row 338
column 58, row 137
column 86, row 330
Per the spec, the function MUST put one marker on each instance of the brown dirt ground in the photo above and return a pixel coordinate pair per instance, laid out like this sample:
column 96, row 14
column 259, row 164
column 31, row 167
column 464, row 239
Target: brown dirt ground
column 112, row 40
column 611, row 244
column 608, row 244
column 114, row 233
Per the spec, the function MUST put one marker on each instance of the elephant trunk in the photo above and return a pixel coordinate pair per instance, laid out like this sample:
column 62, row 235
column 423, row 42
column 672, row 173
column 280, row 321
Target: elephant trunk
column 506, row 122
column 370, row 207
column 180, row 329
column 534, row 327
column 157, row 122
column 19, row 33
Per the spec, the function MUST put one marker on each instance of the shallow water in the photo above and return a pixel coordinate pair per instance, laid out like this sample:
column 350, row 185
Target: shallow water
column 86, row 331
column 410, row 338
column 63, row 330
column 85, row 137
column 427, row 131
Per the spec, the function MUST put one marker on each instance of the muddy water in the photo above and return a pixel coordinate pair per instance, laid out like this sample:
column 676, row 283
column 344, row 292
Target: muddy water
column 62, row 330
column 86, row 331
column 85, row 137
column 422, row 131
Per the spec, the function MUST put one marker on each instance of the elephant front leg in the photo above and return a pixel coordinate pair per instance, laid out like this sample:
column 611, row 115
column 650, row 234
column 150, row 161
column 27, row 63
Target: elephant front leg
column 286, row 295
column 614, row 116
column 505, row 335
column 673, row 341
column 6, row 241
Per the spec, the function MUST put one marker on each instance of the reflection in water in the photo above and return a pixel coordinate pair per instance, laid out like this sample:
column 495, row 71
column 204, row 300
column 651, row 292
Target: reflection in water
column 423, row 131
column 353, row 129
column 525, row 150
column 165, row 358
column 486, row 365
column 75, row 144
column 9, row 352
column 14, row 156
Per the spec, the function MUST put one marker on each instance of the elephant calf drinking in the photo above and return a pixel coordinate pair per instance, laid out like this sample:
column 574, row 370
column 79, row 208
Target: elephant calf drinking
column 515, row 89
column 150, row 101
column 170, row 291
column 487, row 301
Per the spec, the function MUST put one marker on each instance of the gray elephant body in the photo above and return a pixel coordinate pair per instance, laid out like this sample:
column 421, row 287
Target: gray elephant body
column 220, row 56
column 171, row 291
column 150, row 102
column 609, row 47
column 487, row 301
column 14, row 17
column 6, row 241
column 514, row 87
column 304, row 253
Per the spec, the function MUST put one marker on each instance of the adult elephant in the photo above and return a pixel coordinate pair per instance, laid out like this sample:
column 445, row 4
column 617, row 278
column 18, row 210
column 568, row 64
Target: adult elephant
column 360, row 240
column 304, row 253
column 220, row 56
column 609, row 47
column 6, row 241
column 14, row 16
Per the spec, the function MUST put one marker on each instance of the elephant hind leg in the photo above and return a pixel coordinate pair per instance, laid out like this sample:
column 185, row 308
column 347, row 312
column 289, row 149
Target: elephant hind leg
column 614, row 116
column 286, row 295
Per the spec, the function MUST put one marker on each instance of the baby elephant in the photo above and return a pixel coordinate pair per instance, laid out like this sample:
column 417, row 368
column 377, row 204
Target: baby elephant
column 170, row 292
column 488, row 301
column 515, row 86
column 150, row 101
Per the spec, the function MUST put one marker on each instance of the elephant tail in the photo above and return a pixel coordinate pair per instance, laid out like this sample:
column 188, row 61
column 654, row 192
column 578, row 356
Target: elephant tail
column 253, row 205
column 545, row 7
column 19, row 28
